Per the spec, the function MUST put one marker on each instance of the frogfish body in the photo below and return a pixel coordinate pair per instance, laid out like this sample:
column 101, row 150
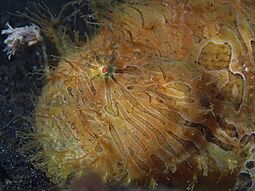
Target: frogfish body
column 164, row 93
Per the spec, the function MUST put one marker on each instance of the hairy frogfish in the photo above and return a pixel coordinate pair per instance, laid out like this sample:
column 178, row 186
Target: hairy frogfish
column 163, row 93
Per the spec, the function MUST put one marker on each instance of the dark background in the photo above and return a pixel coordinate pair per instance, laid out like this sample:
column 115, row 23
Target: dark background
column 18, row 83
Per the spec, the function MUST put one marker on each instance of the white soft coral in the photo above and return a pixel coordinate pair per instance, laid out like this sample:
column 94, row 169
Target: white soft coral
column 20, row 37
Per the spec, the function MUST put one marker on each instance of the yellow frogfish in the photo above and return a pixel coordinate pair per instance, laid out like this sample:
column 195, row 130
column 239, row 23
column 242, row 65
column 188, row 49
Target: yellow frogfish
column 163, row 93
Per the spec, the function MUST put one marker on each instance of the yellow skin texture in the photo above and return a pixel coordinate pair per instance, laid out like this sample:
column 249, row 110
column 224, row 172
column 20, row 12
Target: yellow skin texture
column 164, row 92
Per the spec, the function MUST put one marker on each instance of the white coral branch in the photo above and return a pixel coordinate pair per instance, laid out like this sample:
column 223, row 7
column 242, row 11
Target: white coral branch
column 20, row 37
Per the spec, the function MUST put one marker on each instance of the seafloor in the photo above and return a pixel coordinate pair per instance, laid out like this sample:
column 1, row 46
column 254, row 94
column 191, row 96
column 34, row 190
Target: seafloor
column 18, row 84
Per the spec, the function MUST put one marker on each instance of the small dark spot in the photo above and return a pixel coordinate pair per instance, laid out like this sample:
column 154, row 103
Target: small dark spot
column 244, row 182
column 244, row 140
column 119, row 164
column 250, row 164
column 64, row 99
column 204, row 100
column 70, row 91
column 99, row 148
column 130, row 87
column 233, row 131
